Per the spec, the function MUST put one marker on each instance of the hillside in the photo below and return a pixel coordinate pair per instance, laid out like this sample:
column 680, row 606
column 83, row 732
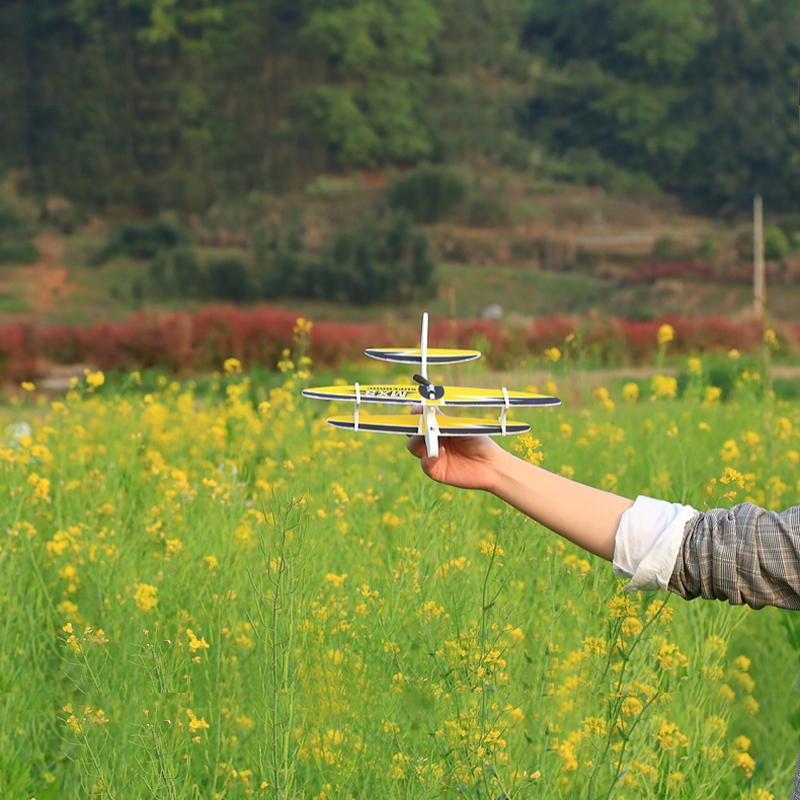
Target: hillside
column 547, row 248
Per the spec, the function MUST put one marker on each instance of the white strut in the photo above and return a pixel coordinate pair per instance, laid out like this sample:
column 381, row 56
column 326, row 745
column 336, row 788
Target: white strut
column 428, row 412
column 355, row 410
column 504, row 412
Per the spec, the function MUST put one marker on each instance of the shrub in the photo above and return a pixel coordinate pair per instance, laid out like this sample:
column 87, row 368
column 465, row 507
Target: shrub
column 667, row 248
column 588, row 167
column 188, row 278
column 371, row 260
column 189, row 343
column 18, row 217
column 707, row 249
column 18, row 253
column 487, row 210
column 422, row 263
column 789, row 224
column 140, row 240
column 228, row 279
column 428, row 194
column 178, row 274
column 61, row 214
column 776, row 245
column 146, row 240
column 744, row 245
column 375, row 261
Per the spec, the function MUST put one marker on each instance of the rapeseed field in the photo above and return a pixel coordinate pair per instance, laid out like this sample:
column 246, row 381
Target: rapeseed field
column 206, row 598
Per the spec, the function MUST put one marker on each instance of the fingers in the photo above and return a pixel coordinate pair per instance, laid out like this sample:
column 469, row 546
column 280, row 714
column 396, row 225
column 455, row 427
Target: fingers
column 417, row 409
column 416, row 446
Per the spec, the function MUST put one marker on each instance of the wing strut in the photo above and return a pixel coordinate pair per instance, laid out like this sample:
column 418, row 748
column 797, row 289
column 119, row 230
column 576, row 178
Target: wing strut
column 355, row 409
column 428, row 412
column 504, row 412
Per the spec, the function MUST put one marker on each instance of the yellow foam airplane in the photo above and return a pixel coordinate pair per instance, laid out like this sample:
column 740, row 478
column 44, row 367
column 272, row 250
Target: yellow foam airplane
column 429, row 396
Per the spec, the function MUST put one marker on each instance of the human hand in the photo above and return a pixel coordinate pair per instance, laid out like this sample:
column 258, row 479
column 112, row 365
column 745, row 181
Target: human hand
column 466, row 462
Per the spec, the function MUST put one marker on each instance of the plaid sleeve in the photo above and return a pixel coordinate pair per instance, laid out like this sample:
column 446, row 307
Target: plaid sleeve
column 745, row 555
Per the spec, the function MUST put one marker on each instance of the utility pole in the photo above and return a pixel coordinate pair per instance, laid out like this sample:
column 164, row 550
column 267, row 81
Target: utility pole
column 759, row 274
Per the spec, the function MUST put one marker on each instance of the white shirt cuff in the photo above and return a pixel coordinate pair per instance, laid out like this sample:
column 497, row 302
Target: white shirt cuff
column 647, row 542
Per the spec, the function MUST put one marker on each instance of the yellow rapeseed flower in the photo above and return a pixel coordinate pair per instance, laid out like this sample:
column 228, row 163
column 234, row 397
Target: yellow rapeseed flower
column 750, row 704
column 196, row 724
column 95, row 379
column 491, row 548
column 631, row 706
column 729, row 451
column 745, row 762
column 664, row 386
column 751, row 438
column 232, row 366
column 712, row 396
column 196, row 644
column 604, row 397
column 632, row 626
column 732, row 475
column 630, row 391
column 553, row 354
column 146, row 596
column 302, row 326
column 666, row 333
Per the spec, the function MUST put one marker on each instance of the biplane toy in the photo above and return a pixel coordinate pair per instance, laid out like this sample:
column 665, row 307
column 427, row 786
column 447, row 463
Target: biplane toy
column 429, row 396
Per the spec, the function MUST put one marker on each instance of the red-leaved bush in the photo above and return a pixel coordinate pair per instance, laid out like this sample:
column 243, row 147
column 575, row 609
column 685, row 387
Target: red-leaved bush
column 185, row 344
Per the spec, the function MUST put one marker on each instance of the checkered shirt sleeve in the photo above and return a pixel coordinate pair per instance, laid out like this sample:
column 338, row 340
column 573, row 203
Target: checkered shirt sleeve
column 745, row 555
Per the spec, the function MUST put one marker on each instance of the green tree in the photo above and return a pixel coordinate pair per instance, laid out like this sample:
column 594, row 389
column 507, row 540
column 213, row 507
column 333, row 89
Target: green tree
column 696, row 94
column 377, row 49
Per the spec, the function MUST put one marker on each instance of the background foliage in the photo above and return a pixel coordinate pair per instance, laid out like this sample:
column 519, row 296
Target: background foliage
column 179, row 104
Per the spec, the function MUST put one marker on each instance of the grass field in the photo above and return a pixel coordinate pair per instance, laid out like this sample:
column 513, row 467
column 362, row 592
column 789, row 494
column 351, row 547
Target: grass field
column 219, row 596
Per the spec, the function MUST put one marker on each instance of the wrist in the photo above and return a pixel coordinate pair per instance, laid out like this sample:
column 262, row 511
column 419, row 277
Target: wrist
column 500, row 471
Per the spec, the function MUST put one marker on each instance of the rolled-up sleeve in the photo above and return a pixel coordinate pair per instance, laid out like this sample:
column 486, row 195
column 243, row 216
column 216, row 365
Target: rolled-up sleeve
column 745, row 555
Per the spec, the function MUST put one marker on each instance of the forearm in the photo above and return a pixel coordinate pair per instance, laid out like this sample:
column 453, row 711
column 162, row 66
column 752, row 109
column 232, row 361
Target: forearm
column 584, row 515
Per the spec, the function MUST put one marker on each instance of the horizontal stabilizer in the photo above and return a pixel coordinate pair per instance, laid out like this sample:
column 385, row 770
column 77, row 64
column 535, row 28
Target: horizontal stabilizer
column 413, row 355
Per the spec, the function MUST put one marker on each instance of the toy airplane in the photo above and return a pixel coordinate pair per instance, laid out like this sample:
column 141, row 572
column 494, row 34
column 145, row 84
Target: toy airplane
column 428, row 395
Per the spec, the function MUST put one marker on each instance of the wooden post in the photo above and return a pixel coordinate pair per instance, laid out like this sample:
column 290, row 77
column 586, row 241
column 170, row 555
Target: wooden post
column 759, row 275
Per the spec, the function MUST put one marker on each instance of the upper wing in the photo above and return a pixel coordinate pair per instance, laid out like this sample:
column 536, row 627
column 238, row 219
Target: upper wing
column 413, row 355
column 411, row 424
column 434, row 395
column 465, row 396
column 404, row 395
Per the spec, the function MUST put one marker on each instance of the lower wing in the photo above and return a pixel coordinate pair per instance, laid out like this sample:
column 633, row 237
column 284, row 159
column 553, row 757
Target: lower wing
column 411, row 424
